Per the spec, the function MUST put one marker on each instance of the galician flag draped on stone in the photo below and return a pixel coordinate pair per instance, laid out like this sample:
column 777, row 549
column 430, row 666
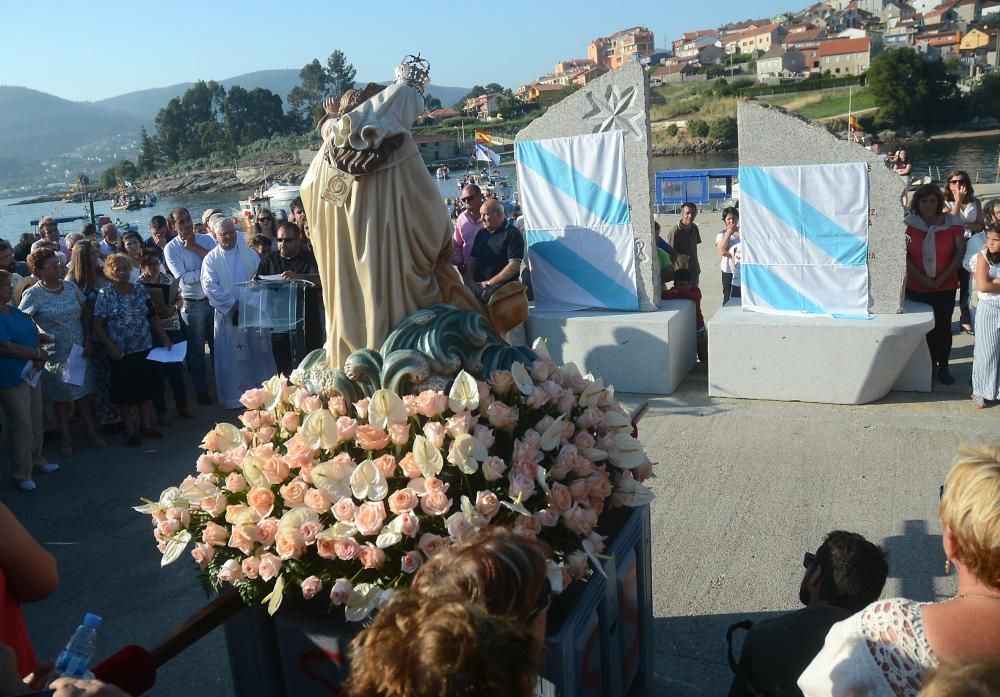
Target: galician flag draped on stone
column 804, row 233
column 577, row 222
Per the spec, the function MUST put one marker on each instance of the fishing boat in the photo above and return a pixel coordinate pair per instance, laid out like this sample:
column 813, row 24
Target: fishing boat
column 275, row 198
column 443, row 172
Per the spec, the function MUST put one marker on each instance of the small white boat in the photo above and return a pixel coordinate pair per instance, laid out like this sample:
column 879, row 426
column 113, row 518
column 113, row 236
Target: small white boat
column 277, row 197
column 443, row 172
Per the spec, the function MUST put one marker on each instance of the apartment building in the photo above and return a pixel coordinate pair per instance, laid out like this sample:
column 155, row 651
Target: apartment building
column 845, row 56
column 626, row 46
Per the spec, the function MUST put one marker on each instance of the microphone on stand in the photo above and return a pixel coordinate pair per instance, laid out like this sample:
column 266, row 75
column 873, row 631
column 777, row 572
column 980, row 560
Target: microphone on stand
column 133, row 668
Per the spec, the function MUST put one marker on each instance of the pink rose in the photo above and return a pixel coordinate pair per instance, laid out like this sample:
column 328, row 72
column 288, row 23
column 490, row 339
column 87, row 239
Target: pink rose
column 526, row 467
column 386, row 465
column 307, row 403
column 270, row 566
column 233, row 512
column 261, row 500
column 298, row 453
column 590, row 419
column 487, row 504
column 565, row 402
column 410, row 402
column 266, row 530
column 501, row 416
column 402, row 500
column 552, row 390
column 344, row 510
column 527, row 526
column 501, row 381
column 580, row 489
column 325, row 548
column 459, row 526
column 230, row 571
column 430, row 544
column 251, row 567
column 361, row 407
column 547, row 517
column 431, row 403
column 540, row 370
column 343, row 465
column 410, row 562
column 214, row 505
column 584, row 440
column 409, row 466
column 290, row 421
column 484, row 436
column 371, row 557
column 537, row 399
column 600, row 486
column 214, row 535
column 266, row 434
column 316, row 501
column 181, row 515
column 370, row 518
column 346, row 548
column 346, row 428
column 435, row 484
column 643, row 471
column 275, row 470
column 311, row 585
column 166, row 529
column 370, row 437
column 579, row 520
column 251, row 420
column 293, row 493
column 337, row 405
column 341, row 591
column 458, row 424
column 202, row 554
column 560, row 497
column 409, row 524
column 253, row 399
column 434, row 433
column 289, row 543
column 493, row 468
column 205, row 464
column 435, row 503
column 310, row 529
column 576, row 564
column 521, row 485
column 597, row 542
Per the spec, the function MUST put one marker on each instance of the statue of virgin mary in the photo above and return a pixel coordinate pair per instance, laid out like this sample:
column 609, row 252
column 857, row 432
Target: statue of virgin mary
column 379, row 228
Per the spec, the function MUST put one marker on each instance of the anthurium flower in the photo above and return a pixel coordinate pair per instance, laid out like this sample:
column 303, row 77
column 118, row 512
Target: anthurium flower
column 591, row 394
column 222, row 438
column 541, row 347
column 167, row 498
column 552, row 435
column 462, row 453
column 386, row 407
column 632, row 493
column 274, row 390
column 427, row 458
column 175, row 547
column 367, row 482
column 274, row 598
column 319, row 430
column 391, row 534
column 328, row 478
column 464, row 394
column 525, row 384
column 363, row 599
column 627, row 452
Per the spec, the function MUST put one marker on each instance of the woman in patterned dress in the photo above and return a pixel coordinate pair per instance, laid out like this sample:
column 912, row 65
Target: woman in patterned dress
column 59, row 309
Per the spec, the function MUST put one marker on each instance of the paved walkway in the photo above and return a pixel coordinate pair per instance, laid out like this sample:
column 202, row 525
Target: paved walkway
column 743, row 489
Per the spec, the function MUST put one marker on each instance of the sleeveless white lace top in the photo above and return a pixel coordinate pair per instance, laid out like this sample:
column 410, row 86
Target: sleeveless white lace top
column 879, row 652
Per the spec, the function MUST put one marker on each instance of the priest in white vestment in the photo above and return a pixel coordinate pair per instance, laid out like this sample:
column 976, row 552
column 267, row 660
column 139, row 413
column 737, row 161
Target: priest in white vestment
column 242, row 357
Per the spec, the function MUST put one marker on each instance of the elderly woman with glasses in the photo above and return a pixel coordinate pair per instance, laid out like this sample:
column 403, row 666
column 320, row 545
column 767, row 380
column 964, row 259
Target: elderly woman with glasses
column 961, row 202
column 888, row 648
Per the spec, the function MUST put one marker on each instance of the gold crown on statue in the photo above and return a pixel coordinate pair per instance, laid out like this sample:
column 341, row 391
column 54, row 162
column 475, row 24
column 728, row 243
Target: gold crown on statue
column 414, row 71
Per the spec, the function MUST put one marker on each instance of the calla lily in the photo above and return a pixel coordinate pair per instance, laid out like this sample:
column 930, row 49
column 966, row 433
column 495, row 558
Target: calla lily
column 386, row 407
column 553, row 434
column 175, row 547
column 525, row 384
column 627, row 452
column 391, row 534
column 319, row 430
column 326, row 478
column 541, row 347
column 464, row 394
column 427, row 458
column 362, row 602
column 462, row 453
column 367, row 482
column 277, row 594
column 632, row 493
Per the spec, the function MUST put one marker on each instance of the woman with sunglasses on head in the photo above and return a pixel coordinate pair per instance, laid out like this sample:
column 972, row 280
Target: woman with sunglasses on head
column 888, row 648
column 265, row 224
column 472, row 623
column 961, row 202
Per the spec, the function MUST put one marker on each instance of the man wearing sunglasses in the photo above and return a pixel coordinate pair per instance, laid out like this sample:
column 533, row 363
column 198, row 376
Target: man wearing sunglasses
column 468, row 225
column 845, row 575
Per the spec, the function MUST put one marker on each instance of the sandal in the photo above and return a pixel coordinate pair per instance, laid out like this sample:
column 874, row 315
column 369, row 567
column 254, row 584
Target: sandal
column 978, row 402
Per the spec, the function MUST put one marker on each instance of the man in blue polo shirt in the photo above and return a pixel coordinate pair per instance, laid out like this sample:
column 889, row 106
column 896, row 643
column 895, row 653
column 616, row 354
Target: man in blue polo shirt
column 496, row 253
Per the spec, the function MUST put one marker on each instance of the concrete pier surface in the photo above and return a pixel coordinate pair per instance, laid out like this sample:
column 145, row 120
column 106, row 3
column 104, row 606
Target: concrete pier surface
column 743, row 488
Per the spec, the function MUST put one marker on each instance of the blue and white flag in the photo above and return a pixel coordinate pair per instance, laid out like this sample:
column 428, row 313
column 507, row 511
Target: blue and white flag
column 487, row 155
column 577, row 222
column 804, row 234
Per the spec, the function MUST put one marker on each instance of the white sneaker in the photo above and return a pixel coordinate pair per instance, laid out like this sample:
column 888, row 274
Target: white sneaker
column 47, row 468
column 27, row 485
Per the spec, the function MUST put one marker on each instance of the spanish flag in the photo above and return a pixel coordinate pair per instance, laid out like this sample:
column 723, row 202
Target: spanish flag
column 484, row 137
column 855, row 126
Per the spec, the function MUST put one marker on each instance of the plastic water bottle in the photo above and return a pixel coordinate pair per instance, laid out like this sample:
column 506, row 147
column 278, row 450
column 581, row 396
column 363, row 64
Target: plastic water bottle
column 74, row 660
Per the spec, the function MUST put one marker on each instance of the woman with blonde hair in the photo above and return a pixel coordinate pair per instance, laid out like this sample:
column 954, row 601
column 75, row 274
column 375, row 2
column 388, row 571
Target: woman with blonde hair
column 888, row 648
column 981, row 679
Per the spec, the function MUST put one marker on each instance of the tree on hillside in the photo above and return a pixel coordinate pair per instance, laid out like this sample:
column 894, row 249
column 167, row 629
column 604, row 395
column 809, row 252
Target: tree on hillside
column 171, row 130
column 985, row 99
column 149, row 153
column 478, row 90
column 431, row 102
column 341, row 73
column 250, row 116
column 910, row 91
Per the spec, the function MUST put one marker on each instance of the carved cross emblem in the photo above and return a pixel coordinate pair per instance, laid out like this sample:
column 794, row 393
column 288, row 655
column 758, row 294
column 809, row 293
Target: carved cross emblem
column 612, row 111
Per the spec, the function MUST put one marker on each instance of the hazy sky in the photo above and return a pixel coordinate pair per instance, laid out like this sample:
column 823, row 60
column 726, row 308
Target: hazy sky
column 89, row 51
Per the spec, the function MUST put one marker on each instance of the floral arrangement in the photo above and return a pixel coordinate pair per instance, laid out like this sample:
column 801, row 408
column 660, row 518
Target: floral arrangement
column 317, row 495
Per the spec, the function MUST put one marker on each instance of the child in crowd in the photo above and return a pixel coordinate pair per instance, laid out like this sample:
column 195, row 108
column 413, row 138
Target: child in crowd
column 684, row 289
column 986, row 353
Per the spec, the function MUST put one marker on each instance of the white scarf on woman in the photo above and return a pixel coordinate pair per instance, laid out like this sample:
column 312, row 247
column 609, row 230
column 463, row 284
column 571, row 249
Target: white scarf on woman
column 929, row 250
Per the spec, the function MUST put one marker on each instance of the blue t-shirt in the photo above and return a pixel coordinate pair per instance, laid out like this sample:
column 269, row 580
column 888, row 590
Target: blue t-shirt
column 17, row 328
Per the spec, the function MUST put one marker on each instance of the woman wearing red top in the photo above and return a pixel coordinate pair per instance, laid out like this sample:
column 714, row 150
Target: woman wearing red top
column 935, row 245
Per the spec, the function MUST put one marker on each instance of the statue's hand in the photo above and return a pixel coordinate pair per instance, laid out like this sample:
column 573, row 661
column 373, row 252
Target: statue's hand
column 331, row 106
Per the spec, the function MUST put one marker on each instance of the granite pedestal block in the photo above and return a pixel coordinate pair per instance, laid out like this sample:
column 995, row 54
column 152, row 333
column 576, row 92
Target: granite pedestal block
column 645, row 352
column 753, row 355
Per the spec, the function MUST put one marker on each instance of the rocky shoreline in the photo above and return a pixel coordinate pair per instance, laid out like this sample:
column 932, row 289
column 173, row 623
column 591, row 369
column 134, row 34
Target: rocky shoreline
column 692, row 146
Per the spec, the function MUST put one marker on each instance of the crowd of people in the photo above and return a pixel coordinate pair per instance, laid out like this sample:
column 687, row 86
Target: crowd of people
column 82, row 313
